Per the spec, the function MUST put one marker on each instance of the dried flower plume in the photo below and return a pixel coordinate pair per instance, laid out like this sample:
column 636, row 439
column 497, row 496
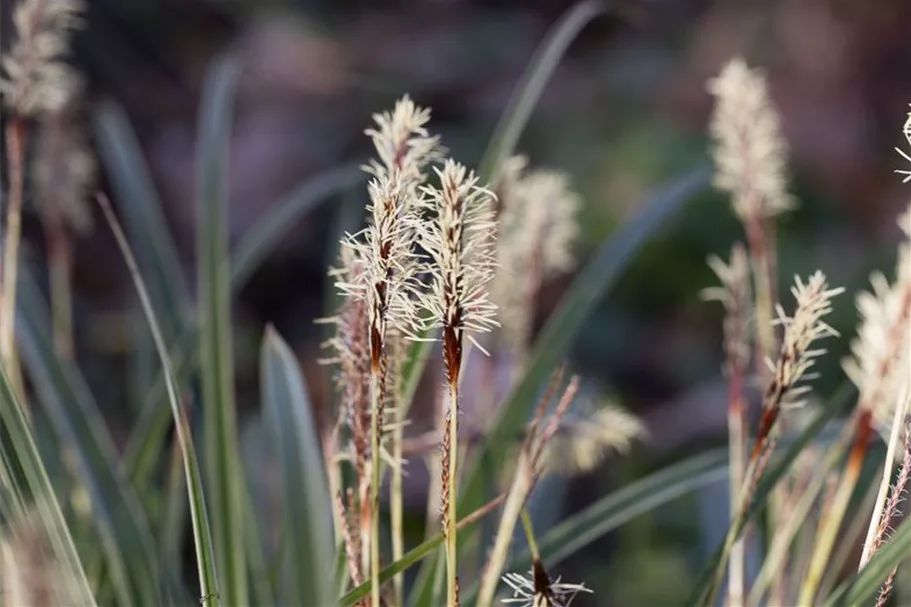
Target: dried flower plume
column 35, row 78
column 536, row 233
column 538, row 590
column 750, row 151
column 735, row 294
column 582, row 442
column 461, row 260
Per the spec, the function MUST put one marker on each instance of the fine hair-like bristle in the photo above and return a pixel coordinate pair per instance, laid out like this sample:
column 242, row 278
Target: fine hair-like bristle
column 750, row 152
column 35, row 78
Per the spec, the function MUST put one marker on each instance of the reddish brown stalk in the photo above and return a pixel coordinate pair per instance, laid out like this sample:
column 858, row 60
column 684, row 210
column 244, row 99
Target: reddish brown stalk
column 352, row 550
column 59, row 259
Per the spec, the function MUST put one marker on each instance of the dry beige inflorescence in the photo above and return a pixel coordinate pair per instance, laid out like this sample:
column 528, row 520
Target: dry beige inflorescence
column 35, row 78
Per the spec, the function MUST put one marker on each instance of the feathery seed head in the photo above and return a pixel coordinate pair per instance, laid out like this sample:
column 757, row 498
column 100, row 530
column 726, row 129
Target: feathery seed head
column 881, row 352
column 460, row 244
column 906, row 131
column 402, row 143
column 796, row 358
column 64, row 172
column 536, row 234
column 538, row 590
column 734, row 294
column 35, row 79
column 582, row 442
column 750, row 151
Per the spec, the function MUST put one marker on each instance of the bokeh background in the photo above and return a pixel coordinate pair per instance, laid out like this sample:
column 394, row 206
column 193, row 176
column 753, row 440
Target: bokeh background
column 625, row 113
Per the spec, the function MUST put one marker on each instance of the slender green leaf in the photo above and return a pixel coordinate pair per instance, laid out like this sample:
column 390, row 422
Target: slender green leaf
column 125, row 535
column 256, row 245
column 306, row 504
column 20, row 444
column 430, row 582
column 221, row 460
column 143, row 216
column 202, row 536
column 567, row 321
column 529, row 89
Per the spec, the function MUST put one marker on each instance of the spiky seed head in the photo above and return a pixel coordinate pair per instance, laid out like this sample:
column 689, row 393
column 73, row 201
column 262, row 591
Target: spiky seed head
column 460, row 244
column 403, row 144
column 750, row 152
column 64, row 172
column 734, row 293
column 35, row 79
column 796, row 358
column 539, row 590
column 906, row 131
column 881, row 352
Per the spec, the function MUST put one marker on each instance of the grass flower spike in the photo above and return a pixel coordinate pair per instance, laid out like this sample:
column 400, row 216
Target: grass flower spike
column 538, row 590
column 461, row 263
column 750, row 154
column 537, row 231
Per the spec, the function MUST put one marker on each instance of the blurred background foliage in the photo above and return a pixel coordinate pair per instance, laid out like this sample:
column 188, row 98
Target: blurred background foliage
column 625, row 112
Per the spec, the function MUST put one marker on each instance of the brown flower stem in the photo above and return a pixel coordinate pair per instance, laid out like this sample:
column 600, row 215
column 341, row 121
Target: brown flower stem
column 737, row 444
column 59, row 259
column 16, row 134
column 835, row 513
column 450, row 492
column 377, row 390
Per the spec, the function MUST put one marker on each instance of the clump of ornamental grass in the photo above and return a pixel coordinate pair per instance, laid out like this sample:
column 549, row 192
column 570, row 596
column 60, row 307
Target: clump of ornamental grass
column 35, row 82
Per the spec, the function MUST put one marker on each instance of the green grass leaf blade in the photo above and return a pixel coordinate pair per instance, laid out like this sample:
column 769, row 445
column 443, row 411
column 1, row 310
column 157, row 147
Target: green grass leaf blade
column 202, row 536
column 305, row 501
column 220, row 440
column 529, row 89
column 64, row 394
column 566, row 323
column 20, row 444
column 143, row 216
column 260, row 240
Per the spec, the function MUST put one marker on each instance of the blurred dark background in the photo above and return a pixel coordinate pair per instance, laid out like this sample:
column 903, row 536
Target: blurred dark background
column 624, row 114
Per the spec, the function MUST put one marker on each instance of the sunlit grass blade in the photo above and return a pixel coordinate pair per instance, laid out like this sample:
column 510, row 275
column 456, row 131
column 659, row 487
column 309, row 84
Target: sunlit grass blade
column 261, row 239
column 306, row 504
column 143, row 217
column 19, row 445
column 202, row 537
column 220, row 441
column 529, row 89
column 418, row 553
column 62, row 391
column 567, row 322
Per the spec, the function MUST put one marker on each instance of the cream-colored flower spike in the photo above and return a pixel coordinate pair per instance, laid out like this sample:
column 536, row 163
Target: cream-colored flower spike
column 460, row 243
column 402, row 143
column 750, row 152
column 581, row 443
column 796, row 359
column 881, row 353
column 35, row 79
column 537, row 232
column 734, row 293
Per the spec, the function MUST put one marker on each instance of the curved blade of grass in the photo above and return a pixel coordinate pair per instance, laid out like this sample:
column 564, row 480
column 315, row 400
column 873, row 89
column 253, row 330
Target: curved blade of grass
column 420, row 552
column 154, row 418
column 21, row 445
column 125, row 534
column 143, row 217
column 220, row 441
column 529, row 89
column 776, row 471
column 260, row 240
column 305, row 492
column 430, row 584
column 202, row 537
column 622, row 506
column 567, row 321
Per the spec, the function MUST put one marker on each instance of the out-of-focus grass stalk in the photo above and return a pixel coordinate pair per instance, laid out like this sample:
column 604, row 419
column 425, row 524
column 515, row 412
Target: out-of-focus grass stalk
column 834, row 515
column 16, row 136
column 59, row 259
